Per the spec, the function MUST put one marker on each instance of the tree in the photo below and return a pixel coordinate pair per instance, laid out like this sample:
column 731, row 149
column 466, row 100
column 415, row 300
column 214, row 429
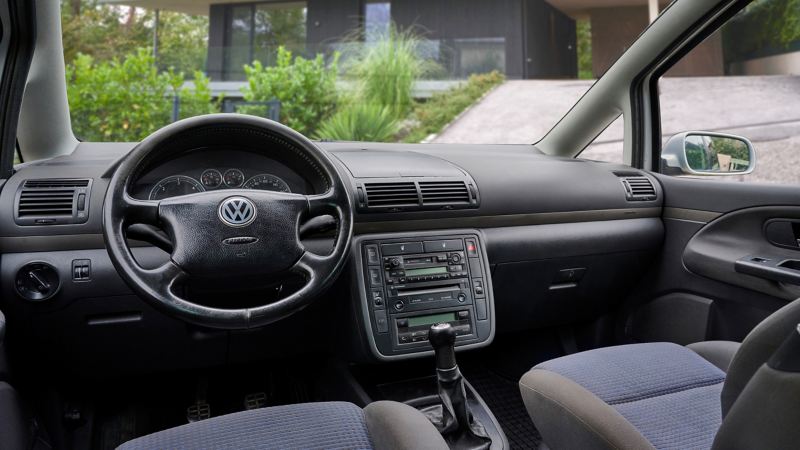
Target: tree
column 105, row 32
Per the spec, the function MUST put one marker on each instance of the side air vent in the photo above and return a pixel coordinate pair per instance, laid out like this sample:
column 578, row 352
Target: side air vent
column 444, row 192
column 417, row 194
column 393, row 195
column 639, row 189
column 52, row 202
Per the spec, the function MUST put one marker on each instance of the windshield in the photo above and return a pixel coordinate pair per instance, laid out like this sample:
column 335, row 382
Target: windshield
column 414, row 71
column 408, row 71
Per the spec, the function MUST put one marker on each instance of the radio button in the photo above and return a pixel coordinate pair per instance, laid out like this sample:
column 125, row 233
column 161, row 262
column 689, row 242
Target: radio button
column 402, row 323
column 404, row 248
column 399, row 305
column 375, row 277
column 444, row 246
column 462, row 297
column 463, row 314
column 381, row 323
column 404, row 338
column 372, row 255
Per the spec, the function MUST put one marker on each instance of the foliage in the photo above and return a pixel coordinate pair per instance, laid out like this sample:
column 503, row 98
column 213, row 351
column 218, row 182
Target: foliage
column 105, row 32
column 443, row 107
column 764, row 26
column 198, row 99
column 306, row 88
column 388, row 68
column 126, row 100
column 358, row 121
column 584, row 32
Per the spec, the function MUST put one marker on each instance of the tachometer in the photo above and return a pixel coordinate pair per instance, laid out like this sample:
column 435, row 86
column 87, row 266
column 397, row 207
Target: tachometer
column 233, row 178
column 211, row 178
column 175, row 186
column 267, row 182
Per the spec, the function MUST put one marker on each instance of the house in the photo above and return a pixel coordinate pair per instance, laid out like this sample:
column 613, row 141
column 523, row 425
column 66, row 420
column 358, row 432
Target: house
column 524, row 39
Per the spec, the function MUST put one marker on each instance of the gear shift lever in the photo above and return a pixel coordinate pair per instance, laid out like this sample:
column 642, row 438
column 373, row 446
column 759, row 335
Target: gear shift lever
column 453, row 418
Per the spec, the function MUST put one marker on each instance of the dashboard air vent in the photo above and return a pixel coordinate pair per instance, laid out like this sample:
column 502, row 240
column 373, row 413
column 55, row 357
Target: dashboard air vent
column 417, row 194
column 52, row 202
column 56, row 183
column 444, row 192
column 396, row 195
column 639, row 188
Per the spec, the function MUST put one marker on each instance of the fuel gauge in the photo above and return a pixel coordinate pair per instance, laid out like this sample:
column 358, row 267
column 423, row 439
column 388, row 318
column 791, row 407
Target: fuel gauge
column 233, row 178
column 211, row 178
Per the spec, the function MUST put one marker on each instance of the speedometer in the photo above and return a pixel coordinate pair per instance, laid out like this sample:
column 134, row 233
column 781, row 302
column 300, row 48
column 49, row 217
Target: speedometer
column 175, row 186
column 267, row 182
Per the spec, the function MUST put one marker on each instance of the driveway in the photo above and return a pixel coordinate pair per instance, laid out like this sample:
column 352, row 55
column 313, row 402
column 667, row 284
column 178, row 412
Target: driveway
column 764, row 109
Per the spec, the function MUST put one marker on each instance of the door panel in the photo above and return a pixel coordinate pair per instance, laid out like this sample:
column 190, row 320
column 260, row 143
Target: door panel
column 695, row 290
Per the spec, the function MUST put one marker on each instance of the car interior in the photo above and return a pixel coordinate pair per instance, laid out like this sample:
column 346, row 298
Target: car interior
column 229, row 283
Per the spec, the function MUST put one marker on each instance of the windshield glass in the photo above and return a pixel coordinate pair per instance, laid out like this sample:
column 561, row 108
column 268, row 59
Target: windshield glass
column 409, row 71
column 415, row 71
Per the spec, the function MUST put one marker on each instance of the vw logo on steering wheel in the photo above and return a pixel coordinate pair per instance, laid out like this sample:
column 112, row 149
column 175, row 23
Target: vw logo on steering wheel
column 237, row 211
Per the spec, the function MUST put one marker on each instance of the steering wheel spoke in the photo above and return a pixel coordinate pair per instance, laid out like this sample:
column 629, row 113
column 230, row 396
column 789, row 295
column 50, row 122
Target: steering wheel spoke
column 164, row 276
column 140, row 211
column 324, row 204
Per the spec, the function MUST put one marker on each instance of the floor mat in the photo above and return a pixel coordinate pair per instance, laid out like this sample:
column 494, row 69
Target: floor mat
column 504, row 400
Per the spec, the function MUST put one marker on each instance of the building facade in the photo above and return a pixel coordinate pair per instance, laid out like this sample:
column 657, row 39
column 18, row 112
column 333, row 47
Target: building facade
column 524, row 39
column 521, row 38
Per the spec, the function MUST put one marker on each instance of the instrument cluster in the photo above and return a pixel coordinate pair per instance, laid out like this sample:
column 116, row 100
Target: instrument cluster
column 214, row 179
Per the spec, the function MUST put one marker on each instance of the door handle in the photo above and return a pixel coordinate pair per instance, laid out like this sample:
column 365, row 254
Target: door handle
column 781, row 270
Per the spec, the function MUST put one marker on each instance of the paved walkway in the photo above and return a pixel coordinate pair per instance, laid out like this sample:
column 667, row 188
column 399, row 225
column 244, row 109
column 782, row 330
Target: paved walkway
column 765, row 109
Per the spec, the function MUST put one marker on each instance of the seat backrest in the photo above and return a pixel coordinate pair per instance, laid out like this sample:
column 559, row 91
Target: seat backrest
column 766, row 413
column 756, row 349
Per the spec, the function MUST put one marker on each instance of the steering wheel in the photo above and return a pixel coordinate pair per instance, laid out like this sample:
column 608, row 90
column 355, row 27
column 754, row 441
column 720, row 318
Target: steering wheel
column 243, row 232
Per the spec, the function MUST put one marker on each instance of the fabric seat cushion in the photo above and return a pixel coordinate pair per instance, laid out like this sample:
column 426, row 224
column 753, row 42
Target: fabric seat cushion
column 331, row 425
column 668, row 393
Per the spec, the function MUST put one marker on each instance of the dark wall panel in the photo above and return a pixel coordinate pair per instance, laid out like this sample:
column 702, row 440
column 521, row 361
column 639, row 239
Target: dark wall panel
column 216, row 40
column 330, row 20
column 466, row 19
column 551, row 50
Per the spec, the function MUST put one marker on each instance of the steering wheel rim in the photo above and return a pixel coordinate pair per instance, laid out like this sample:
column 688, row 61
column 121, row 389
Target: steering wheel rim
column 273, row 228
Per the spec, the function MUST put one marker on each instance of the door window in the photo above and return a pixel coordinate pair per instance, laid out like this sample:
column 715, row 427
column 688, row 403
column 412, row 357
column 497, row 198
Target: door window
column 750, row 88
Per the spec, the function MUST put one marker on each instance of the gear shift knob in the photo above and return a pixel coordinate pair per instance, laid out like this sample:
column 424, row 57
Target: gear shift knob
column 442, row 337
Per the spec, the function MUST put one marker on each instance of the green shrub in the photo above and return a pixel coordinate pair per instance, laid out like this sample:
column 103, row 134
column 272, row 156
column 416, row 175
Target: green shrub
column 199, row 99
column 360, row 122
column 306, row 88
column 387, row 70
column 434, row 114
column 126, row 100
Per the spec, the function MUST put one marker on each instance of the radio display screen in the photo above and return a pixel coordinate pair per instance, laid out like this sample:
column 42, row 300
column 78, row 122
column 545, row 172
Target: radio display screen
column 432, row 319
column 426, row 271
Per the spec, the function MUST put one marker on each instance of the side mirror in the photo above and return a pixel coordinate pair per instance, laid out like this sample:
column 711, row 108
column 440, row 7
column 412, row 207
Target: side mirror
column 702, row 153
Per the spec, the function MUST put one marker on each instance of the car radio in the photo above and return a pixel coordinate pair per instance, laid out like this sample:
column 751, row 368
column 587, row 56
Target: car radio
column 410, row 283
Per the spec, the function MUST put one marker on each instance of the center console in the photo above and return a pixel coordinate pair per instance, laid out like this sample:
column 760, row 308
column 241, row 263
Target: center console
column 408, row 282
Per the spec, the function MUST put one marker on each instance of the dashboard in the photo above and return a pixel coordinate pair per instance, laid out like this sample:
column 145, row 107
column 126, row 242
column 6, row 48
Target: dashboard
column 536, row 217
column 212, row 169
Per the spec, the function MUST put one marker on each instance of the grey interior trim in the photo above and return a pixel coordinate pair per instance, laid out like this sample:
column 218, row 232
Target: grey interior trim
column 509, row 220
column 44, row 128
column 692, row 215
column 56, row 243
